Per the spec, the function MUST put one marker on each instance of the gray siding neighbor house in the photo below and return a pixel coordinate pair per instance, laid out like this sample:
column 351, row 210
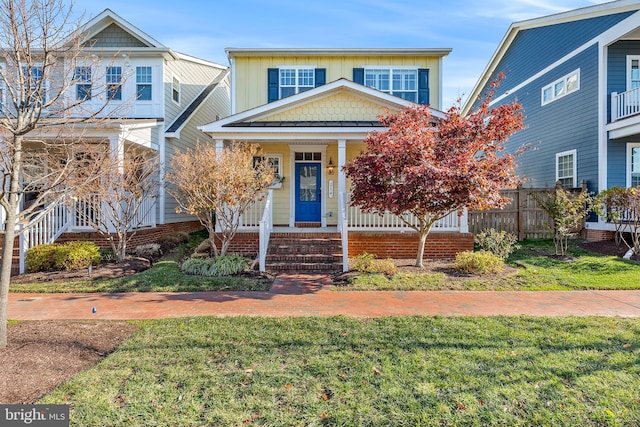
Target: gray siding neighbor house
column 577, row 76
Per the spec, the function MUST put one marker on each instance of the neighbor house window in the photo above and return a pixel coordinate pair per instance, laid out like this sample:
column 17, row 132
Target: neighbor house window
column 296, row 80
column 633, row 72
column 143, row 83
column 400, row 82
column 561, row 87
column 35, row 90
column 633, row 165
column 566, row 168
column 83, row 83
column 175, row 90
column 114, row 83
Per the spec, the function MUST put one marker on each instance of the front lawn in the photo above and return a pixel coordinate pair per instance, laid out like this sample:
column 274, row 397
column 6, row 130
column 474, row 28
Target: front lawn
column 533, row 268
column 410, row 371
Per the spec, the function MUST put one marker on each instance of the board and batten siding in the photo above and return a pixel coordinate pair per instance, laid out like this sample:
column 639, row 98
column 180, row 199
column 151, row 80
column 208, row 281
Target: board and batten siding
column 251, row 72
column 567, row 123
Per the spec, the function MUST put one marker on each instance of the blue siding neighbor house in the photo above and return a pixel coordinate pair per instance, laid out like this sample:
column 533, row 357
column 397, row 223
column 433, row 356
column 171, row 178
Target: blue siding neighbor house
column 577, row 76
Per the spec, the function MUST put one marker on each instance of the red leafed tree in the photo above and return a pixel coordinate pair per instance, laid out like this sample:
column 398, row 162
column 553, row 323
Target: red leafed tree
column 431, row 167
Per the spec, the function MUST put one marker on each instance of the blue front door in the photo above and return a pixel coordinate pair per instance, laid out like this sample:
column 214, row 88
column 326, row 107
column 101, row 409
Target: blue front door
column 308, row 192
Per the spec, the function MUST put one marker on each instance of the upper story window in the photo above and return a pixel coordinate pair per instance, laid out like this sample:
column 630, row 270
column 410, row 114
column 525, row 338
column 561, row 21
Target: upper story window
column 561, row 87
column 633, row 71
column 400, row 82
column 143, row 83
column 114, row 83
column 82, row 77
column 633, row 165
column 287, row 81
column 566, row 168
column 35, row 88
column 175, row 90
column 296, row 80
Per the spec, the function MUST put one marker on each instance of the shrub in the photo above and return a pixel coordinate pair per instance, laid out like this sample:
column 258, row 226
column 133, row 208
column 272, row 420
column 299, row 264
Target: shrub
column 73, row 255
column 499, row 243
column 478, row 263
column 227, row 265
column 176, row 238
column 41, row 257
column 367, row 263
column 107, row 255
column 149, row 251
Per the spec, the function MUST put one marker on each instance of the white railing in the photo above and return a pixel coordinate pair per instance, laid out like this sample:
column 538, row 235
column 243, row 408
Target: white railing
column 266, row 226
column 343, row 229
column 46, row 227
column 146, row 213
column 358, row 220
column 252, row 216
column 85, row 212
column 625, row 104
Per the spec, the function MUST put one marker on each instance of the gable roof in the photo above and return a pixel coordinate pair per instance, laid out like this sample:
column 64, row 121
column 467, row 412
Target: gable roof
column 174, row 128
column 601, row 10
column 108, row 18
column 257, row 121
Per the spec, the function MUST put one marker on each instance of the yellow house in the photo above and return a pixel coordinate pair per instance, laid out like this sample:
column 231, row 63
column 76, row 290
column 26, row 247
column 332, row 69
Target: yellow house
column 310, row 110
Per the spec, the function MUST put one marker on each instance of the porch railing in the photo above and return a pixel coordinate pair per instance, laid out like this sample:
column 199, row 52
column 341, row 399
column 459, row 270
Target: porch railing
column 343, row 229
column 625, row 104
column 46, row 227
column 146, row 214
column 358, row 220
column 252, row 216
column 266, row 226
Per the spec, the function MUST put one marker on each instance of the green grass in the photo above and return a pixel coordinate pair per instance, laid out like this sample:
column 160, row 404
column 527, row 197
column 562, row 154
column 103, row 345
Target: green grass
column 394, row 371
column 536, row 272
column 163, row 276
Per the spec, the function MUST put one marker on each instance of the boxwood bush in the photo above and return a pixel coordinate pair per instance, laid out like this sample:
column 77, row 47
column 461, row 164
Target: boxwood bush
column 66, row 256
column 227, row 265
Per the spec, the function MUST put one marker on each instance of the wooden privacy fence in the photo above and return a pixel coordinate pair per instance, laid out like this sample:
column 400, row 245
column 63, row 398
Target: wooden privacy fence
column 522, row 216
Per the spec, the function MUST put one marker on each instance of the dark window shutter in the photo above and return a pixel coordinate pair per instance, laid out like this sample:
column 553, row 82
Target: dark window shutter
column 321, row 76
column 423, row 86
column 358, row 75
column 273, row 85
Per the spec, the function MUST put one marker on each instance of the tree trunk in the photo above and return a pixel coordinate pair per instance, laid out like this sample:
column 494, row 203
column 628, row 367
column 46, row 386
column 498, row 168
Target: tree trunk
column 9, row 237
column 423, row 239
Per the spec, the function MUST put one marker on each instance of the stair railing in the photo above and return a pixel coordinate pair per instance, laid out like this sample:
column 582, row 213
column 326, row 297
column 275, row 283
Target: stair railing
column 343, row 229
column 266, row 227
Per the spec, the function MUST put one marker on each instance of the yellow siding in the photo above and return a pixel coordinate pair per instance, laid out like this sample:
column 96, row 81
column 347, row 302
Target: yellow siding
column 251, row 72
column 342, row 106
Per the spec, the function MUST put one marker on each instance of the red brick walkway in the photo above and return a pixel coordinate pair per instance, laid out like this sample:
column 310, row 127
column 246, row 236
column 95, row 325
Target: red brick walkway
column 307, row 295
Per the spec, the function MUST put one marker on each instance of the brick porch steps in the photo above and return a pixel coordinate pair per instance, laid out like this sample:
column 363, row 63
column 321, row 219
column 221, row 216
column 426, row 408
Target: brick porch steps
column 300, row 251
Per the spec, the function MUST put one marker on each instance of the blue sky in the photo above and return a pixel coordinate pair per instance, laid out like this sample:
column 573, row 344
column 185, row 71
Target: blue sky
column 204, row 28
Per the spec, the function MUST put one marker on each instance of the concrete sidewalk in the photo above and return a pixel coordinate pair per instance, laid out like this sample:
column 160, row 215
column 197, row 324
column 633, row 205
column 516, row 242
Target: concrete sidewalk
column 308, row 295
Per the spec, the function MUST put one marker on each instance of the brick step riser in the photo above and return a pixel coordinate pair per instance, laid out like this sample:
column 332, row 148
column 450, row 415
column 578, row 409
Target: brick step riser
column 305, row 242
column 298, row 236
column 304, row 267
column 293, row 250
column 304, row 259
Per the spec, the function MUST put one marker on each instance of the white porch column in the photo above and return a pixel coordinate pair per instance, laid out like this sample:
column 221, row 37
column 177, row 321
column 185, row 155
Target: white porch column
column 463, row 221
column 116, row 144
column 162, row 154
column 219, row 150
column 342, row 161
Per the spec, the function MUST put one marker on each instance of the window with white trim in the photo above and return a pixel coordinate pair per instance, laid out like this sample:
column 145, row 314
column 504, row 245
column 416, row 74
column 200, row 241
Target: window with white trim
column 561, row 87
column 400, row 82
column 566, row 168
column 633, row 71
column 114, row 83
column 143, row 83
column 633, row 164
column 82, row 78
column 294, row 80
column 175, row 90
column 35, row 91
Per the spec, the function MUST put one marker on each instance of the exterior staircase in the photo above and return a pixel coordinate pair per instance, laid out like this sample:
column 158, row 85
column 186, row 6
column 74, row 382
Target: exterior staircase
column 304, row 252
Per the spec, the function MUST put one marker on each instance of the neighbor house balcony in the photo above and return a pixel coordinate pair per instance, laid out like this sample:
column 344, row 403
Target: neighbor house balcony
column 625, row 104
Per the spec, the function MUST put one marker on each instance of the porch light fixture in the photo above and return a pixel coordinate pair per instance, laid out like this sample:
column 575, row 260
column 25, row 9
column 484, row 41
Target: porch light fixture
column 331, row 167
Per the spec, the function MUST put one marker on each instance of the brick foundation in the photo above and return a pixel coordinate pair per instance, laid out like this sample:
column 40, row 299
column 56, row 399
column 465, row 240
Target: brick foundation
column 382, row 244
column 598, row 235
column 405, row 245
column 142, row 237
